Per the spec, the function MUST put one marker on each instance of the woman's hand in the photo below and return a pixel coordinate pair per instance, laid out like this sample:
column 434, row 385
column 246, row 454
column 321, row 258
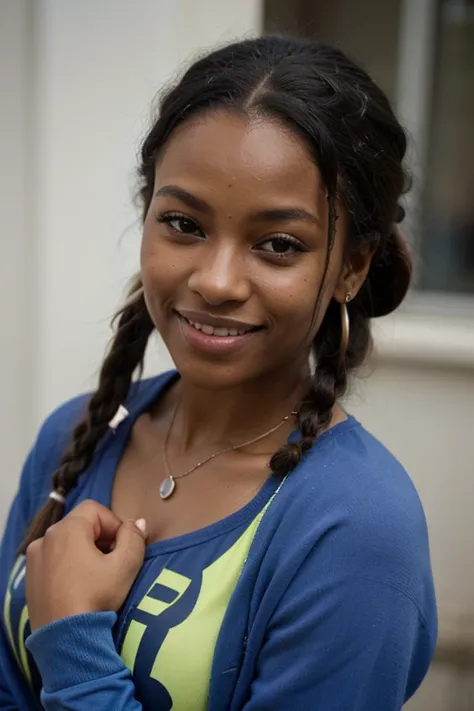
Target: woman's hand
column 68, row 572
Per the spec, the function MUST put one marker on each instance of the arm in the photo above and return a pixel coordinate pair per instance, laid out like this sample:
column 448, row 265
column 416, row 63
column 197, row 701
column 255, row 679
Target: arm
column 33, row 488
column 90, row 673
column 73, row 588
column 346, row 617
column 110, row 680
column 359, row 646
column 353, row 621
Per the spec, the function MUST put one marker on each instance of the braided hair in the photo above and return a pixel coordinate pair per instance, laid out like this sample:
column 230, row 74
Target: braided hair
column 125, row 356
column 351, row 132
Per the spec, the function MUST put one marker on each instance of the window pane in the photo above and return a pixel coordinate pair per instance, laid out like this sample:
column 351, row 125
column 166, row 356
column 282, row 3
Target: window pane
column 447, row 245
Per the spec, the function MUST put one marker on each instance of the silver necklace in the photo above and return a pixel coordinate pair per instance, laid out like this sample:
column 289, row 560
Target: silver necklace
column 168, row 485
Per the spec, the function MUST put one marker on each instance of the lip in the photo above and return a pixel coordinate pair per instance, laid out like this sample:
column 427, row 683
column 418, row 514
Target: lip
column 215, row 321
column 214, row 345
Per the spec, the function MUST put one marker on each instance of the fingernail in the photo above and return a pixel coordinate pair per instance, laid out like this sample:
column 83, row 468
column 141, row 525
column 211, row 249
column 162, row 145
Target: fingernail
column 141, row 524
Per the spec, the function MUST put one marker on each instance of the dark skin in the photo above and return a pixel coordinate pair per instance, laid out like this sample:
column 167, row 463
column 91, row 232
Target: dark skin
column 216, row 242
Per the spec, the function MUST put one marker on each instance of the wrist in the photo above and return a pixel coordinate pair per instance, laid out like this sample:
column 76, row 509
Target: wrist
column 60, row 612
column 87, row 638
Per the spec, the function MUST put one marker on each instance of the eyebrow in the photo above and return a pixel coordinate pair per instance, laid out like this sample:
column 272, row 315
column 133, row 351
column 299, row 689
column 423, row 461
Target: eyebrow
column 281, row 214
column 183, row 196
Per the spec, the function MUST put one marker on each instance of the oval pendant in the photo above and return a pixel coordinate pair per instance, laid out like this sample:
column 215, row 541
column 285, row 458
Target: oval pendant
column 167, row 487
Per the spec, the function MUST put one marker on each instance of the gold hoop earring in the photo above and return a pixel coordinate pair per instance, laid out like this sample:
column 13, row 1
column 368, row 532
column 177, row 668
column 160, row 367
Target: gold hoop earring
column 345, row 325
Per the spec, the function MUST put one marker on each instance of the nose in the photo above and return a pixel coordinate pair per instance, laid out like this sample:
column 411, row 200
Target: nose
column 221, row 276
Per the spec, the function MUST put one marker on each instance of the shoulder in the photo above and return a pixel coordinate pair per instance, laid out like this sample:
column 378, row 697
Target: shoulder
column 352, row 474
column 56, row 431
column 351, row 505
column 45, row 455
column 59, row 424
column 58, row 427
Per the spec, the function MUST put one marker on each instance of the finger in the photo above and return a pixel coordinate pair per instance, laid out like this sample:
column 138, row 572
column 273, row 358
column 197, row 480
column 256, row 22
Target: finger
column 102, row 522
column 34, row 549
column 130, row 543
column 33, row 561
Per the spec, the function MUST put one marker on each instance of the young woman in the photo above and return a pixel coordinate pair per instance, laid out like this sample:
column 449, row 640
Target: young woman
column 225, row 536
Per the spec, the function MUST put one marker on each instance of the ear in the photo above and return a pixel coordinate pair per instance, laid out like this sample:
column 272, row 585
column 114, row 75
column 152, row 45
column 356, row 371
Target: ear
column 353, row 273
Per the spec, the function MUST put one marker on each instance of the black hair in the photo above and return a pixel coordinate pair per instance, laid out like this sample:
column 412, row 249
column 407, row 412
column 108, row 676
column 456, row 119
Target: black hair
column 351, row 131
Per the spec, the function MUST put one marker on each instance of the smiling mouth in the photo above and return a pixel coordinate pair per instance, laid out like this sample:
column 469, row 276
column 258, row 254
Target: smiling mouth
column 221, row 331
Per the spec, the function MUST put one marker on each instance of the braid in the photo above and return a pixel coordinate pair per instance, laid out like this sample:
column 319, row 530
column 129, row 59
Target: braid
column 126, row 354
column 329, row 381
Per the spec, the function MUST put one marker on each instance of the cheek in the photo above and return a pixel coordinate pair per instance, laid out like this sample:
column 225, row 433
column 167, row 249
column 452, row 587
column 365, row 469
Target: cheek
column 291, row 300
column 159, row 266
column 291, row 295
column 158, row 279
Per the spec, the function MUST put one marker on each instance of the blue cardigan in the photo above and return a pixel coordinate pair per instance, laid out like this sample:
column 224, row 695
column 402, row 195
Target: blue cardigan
column 332, row 607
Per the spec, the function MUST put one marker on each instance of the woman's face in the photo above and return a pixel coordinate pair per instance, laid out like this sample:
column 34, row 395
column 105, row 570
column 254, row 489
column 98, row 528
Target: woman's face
column 234, row 248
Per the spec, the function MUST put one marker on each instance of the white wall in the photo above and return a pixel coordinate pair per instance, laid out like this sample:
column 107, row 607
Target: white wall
column 16, row 275
column 99, row 64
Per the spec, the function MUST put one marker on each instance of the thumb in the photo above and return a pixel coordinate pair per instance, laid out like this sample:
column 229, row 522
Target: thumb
column 129, row 549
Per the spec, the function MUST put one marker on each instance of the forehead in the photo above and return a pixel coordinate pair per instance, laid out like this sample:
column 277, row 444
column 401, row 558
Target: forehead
column 257, row 158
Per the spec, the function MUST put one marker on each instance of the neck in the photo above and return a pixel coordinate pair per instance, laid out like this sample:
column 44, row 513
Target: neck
column 225, row 417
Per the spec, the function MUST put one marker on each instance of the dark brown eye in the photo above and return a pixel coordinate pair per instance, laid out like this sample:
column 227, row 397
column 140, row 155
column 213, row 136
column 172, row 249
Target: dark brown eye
column 281, row 246
column 180, row 224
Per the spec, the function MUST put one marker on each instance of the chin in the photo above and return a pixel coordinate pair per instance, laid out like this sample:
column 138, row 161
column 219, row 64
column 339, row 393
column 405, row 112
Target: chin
column 215, row 376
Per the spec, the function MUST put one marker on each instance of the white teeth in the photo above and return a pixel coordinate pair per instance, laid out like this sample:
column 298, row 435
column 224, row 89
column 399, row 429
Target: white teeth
column 211, row 331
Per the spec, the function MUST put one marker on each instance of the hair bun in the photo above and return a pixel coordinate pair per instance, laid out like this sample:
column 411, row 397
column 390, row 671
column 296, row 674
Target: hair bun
column 389, row 276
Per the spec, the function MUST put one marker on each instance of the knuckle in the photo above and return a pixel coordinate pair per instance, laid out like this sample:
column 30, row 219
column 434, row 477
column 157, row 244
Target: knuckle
column 50, row 530
column 33, row 548
column 88, row 509
column 75, row 520
column 86, row 505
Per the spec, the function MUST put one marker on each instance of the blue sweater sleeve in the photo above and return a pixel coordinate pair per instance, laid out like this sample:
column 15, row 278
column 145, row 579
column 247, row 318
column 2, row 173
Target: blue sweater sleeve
column 91, row 674
column 361, row 646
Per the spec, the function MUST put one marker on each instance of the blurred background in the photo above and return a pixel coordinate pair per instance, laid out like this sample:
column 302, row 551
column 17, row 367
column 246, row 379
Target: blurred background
column 77, row 78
